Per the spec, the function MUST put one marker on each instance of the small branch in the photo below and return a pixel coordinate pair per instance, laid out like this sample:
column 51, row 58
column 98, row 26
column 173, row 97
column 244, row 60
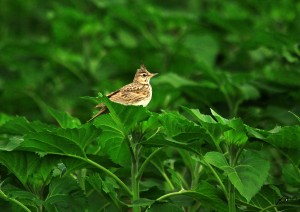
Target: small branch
column 182, row 192
column 164, row 175
column 147, row 161
column 110, row 174
column 218, row 179
column 231, row 188
column 281, row 205
column 4, row 196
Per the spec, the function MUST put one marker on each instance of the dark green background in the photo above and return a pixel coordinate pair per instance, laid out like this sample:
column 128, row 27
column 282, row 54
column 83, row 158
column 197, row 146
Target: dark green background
column 239, row 57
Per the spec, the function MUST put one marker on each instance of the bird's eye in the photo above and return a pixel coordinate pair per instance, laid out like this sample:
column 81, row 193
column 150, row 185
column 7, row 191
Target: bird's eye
column 144, row 75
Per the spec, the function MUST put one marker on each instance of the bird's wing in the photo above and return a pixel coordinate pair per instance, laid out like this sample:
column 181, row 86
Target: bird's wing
column 132, row 87
column 129, row 94
column 112, row 93
column 126, row 95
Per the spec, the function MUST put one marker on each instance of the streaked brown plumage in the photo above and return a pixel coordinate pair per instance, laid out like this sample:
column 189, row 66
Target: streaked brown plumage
column 139, row 92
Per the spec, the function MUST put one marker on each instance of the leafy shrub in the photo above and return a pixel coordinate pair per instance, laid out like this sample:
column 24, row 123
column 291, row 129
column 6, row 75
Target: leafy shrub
column 221, row 132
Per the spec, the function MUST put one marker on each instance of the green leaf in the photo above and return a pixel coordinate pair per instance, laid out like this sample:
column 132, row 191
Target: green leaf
column 65, row 194
column 29, row 168
column 248, row 176
column 234, row 123
column 179, row 128
column 166, row 207
column 268, row 39
column 177, row 131
column 214, row 130
column 105, row 187
column 116, row 127
column 9, row 143
column 25, row 197
column 203, row 47
column 112, row 140
column 126, row 39
column 109, row 185
column 217, row 159
column 235, row 137
column 4, row 118
column 65, row 120
column 297, row 117
column 142, row 202
column 175, row 80
column 285, row 137
column 209, row 196
column 160, row 140
column 125, row 117
column 201, row 118
column 61, row 141
column 176, row 178
column 249, row 92
column 21, row 126
column 291, row 175
column 282, row 138
column 95, row 181
column 267, row 196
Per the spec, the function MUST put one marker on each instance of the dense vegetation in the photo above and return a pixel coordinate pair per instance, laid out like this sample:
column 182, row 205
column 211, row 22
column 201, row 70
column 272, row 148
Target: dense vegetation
column 222, row 132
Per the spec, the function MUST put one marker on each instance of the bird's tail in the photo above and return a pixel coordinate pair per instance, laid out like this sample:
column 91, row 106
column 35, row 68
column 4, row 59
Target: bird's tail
column 102, row 111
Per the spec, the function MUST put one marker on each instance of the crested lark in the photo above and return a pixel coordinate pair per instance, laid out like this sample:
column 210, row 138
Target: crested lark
column 139, row 92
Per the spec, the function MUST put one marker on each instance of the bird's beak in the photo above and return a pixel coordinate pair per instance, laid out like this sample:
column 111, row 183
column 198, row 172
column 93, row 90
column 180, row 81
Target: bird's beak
column 152, row 75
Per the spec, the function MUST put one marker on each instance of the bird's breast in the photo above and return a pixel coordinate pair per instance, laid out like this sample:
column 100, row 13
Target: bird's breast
column 145, row 100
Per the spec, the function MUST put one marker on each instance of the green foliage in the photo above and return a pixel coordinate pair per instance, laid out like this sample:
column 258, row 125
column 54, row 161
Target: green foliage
column 248, row 176
column 221, row 132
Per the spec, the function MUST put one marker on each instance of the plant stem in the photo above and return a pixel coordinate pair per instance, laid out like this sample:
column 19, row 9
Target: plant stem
column 182, row 192
column 281, row 205
column 145, row 163
column 4, row 196
column 218, row 179
column 134, row 153
column 196, row 175
column 108, row 173
column 81, row 178
column 135, row 185
column 231, row 202
column 231, row 189
column 164, row 175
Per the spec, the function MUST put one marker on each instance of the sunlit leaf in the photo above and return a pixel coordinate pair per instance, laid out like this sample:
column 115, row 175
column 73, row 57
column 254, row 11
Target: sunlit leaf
column 8, row 143
column 235, row 137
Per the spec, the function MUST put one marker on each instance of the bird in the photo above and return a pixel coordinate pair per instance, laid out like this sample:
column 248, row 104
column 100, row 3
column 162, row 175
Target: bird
column 138, row 93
